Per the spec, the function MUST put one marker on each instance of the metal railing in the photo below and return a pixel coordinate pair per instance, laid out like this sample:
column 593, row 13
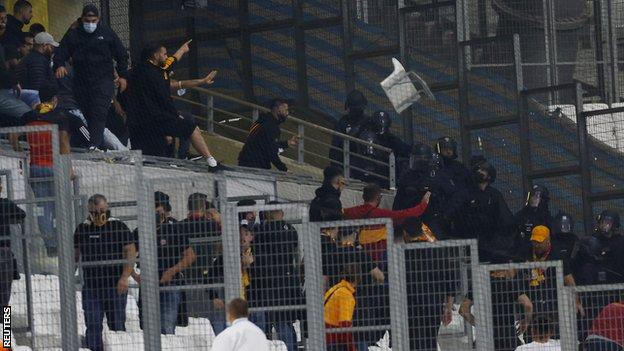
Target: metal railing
column 349, row 143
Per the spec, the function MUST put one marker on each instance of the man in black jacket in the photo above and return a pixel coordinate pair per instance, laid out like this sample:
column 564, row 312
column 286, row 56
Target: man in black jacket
column 9, row 214
column 485, row 215
column 93, row 46
column 12, row 38
column 152, row 114
column 34, row 70
column 11, row 108
column 276, row 275
column 326, row 206
column 263, row 145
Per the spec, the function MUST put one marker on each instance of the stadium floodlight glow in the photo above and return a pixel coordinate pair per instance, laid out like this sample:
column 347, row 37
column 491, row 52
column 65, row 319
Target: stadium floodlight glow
column 404, row 88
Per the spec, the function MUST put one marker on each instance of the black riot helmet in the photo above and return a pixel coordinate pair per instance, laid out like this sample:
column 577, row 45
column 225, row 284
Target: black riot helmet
column 537, row 196
column 479, row 165
column 446, row 143
column 563, row 223
column 381, row 122
column 608, row 222
column 421, row 156
column 356, row 101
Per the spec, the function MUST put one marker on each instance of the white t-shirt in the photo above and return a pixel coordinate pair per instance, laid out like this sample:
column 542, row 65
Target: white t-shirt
column 242, row 335
column 551, row 345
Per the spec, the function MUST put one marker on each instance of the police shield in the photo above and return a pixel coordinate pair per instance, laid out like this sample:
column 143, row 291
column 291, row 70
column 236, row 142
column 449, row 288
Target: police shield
column 404, row 88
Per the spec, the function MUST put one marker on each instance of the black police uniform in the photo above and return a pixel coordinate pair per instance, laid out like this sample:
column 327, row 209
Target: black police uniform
column 92, row 57
column 528, row 218
column 351, row 124
column 601, row 259
column 486, row 217
column 445, row 200
column 263, row 144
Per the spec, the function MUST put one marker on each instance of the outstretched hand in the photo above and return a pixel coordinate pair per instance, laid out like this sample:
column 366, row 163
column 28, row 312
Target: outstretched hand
column 184, row 49
column 209, row 79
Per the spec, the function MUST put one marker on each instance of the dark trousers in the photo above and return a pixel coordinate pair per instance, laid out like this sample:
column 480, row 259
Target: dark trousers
column 95, row 101
column 97, row 302
column 6, row 275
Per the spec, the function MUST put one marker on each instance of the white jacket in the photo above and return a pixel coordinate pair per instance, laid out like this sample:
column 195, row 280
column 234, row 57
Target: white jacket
column 242, row 335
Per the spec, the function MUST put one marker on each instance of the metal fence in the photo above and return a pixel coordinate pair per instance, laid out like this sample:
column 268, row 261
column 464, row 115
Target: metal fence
column 599, row 303
column 200, row 241
column 518, row 297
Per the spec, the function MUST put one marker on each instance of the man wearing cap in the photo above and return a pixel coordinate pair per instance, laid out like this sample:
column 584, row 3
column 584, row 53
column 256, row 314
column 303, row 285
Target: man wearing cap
column 34, row 70
column 543, row 281
column 92, row 47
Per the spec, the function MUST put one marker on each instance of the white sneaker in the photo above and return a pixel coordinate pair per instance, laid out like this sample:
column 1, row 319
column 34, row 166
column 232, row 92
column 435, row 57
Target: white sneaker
column 211, row 161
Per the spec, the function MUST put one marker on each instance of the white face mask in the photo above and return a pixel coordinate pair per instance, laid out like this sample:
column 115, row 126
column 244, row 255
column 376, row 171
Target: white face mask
column 89, row 27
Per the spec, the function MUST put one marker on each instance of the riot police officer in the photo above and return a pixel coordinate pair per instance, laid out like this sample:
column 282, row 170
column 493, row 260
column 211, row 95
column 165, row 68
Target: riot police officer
column 535, row 212
column 446, row 147
column 425, row 175
column 363, row 158
column 485, row 214
column 381, row 122
column 600, row 256
column 562, row 236
column 377, row 131
column 350, row 124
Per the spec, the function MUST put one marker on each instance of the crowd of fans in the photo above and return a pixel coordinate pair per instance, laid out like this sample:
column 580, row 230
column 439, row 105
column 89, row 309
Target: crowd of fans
column 84, row 86
column 102, row 102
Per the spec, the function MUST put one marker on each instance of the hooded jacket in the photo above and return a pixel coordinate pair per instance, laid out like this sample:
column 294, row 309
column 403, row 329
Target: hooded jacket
column 263, row 145
column 92, row 54
column 326, row 206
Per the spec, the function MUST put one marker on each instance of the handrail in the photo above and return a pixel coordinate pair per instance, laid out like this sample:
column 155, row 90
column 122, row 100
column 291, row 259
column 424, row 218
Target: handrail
column 301, row 124
column 290, row 117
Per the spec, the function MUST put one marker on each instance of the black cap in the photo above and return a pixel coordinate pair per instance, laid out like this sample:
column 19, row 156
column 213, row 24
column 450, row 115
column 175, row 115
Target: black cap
column 330, row 172
column 90, row 10
column 2, row 8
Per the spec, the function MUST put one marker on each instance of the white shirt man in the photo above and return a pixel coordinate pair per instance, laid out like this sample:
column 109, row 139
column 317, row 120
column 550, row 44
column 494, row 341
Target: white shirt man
column 242, row 335
column 550, row 345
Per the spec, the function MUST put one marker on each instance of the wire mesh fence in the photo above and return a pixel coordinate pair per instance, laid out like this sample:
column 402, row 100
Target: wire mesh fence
column 355, row 284
column 438, row 278
column 601, row 322
column 524, row 304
